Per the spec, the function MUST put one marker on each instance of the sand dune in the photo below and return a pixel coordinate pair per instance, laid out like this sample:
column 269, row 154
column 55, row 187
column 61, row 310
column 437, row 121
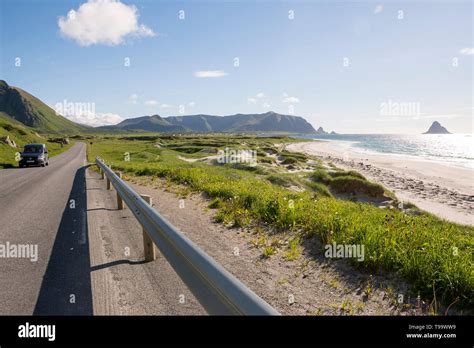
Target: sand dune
column 444, row 190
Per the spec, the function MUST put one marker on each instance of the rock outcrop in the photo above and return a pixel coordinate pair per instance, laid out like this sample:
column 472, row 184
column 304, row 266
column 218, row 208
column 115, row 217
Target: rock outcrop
column 321, row 130
column 6, row 140
column 437, row 128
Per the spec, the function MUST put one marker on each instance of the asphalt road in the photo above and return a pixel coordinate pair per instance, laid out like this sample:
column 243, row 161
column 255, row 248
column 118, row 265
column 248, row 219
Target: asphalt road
column 89, row 254
column 35, row 210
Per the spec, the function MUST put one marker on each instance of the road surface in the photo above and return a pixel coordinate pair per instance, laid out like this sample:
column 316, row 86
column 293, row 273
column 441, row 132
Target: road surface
column 33, row 212
column 89, row 254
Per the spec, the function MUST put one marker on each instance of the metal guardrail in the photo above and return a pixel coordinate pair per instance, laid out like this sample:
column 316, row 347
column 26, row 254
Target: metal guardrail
column 218, row 291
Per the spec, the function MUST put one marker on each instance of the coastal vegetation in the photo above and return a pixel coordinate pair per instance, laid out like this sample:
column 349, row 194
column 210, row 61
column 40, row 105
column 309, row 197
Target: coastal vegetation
column 313, row 202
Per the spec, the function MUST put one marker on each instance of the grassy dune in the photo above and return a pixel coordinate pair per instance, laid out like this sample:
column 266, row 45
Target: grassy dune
column 435, row 256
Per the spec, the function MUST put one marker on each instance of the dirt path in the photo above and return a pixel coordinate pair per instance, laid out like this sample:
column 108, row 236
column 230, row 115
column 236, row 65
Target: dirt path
column 308, row 285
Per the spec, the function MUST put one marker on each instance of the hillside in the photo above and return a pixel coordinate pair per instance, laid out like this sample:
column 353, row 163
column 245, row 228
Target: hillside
column 267, row 122
column 20, row 135
column 23, row 107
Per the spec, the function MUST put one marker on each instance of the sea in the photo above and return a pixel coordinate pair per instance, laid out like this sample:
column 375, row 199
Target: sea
column 451, row 149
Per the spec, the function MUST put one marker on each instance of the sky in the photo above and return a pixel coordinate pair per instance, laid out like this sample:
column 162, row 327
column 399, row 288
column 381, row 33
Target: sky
column 349, row 66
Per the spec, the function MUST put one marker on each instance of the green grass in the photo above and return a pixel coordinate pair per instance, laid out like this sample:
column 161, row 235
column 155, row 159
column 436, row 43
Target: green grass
column 268, row 251
column 294, row 249
column 425, row 250
column 215, row 203
column 352, row 173
column 282, row 180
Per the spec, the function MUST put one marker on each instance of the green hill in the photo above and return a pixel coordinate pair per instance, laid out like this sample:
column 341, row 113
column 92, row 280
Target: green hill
column 23, row 107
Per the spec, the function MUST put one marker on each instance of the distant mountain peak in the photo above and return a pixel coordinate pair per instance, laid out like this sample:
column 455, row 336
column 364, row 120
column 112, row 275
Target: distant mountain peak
column 321, row 130
column 436, row 128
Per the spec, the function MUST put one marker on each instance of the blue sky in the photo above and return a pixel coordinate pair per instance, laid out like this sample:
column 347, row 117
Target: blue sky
column 336, row 63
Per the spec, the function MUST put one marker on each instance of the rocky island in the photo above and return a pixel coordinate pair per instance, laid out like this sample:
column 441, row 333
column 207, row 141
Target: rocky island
column 437, row 128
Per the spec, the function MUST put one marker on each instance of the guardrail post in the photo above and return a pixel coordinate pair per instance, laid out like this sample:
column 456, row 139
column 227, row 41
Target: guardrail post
column 102, row 173
column 148, row 245
column 119, row 199
column 108, row 184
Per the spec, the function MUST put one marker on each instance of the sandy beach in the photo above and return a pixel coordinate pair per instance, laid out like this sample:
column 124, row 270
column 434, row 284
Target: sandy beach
column 444, row 190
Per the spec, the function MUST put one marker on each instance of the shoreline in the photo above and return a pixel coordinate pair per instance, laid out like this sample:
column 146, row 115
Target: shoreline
column 443, row 190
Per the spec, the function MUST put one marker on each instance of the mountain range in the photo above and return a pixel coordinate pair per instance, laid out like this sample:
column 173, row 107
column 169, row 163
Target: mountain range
column 266, row 122
column 20, row 106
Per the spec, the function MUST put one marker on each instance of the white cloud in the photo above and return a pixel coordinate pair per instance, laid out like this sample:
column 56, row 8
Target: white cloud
column 284, row 94
column 467, row 51
column 292, row 100
column 260, row 95
column 151, row 103
column 143, row 30
column 251, row 101
column 105, row 22
column 132, row 99
column 266, row 105
column 378, row 9
column 192, row 104
column 210, row 73
column 96, row 119
column 165, row 106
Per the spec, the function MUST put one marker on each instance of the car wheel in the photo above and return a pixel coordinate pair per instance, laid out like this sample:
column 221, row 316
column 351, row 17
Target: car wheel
column 47, row 163
column 43, row 165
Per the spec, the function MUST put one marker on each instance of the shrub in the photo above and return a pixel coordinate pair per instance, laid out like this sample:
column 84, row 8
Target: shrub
column 281, row 180
column 350, row 184
column 297, row 155
column 320, row 175
column 319, row 188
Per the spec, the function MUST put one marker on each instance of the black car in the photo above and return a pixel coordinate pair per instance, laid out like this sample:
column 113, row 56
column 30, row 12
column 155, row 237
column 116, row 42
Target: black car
column 34, row 155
